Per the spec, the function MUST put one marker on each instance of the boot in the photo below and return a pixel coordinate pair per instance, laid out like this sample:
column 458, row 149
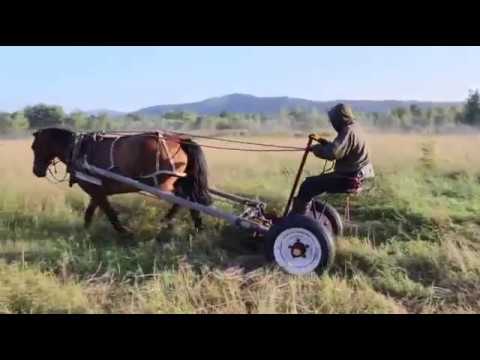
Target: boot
column 300, row 206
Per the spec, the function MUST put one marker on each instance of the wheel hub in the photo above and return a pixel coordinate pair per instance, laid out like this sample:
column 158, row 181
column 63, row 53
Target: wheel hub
column 298, row 249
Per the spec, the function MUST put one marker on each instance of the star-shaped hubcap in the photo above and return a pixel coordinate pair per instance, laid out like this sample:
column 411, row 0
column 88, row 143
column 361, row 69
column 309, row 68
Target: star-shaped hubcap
column 298, row 249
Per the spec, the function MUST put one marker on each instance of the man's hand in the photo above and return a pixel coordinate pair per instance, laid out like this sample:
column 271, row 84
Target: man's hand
column 318, row 139
column 316, row 149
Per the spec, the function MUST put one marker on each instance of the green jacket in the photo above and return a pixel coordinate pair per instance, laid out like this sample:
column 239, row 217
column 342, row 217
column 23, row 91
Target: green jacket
column 349, row 149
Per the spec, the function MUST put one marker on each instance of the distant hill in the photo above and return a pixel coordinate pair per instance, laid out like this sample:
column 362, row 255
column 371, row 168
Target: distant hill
column 110, row 113
column 243, row 103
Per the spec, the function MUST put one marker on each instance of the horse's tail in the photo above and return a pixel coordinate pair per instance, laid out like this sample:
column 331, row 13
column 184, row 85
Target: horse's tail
column 196, row 182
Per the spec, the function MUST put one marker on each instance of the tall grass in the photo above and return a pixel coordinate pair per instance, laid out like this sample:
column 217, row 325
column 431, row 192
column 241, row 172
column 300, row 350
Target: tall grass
column 413, row 247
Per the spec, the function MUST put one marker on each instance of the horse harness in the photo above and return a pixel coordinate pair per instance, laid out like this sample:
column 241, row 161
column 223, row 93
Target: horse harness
column 84, row 145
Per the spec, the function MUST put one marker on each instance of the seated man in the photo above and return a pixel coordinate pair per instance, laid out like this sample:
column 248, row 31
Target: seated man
column 350, row 153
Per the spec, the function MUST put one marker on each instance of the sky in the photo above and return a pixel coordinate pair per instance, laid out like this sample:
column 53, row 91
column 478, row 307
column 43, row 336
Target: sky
column 129, row 78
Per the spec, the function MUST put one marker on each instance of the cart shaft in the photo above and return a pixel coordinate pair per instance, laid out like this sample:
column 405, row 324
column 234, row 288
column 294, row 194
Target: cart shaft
column 235, row 198
column 169, row 197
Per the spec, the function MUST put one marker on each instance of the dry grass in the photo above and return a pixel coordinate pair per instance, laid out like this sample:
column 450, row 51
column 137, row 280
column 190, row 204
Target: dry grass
column 415, row 249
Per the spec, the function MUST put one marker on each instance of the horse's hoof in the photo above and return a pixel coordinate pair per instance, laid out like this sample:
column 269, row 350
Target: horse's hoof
column 126, row 233
column 161, row 239
column 127, row 241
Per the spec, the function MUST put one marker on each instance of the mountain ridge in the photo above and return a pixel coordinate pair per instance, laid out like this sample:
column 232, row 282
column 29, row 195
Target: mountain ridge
column 246, row 103
column 108, row 112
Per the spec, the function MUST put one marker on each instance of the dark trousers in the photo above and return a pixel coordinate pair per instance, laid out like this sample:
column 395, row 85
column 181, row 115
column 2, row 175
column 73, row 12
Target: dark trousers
column 333, row 183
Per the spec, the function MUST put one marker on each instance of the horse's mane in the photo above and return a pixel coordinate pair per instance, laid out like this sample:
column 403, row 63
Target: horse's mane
column 55, row 131
column 59, row 135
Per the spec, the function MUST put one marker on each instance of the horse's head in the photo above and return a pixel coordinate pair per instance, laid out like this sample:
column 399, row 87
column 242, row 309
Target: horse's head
column 47, row 145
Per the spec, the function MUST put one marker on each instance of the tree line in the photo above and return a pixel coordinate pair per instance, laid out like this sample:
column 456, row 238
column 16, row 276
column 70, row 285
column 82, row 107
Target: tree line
column 410, row 118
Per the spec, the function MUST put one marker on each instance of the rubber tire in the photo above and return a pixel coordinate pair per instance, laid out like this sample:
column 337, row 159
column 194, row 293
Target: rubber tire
column 323, row 236
column 331, row 214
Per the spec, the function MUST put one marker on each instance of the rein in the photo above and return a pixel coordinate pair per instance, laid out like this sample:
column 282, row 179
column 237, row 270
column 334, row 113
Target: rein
column 119, row 134
column 237, row 149
column 224, row 140
column 273, row 147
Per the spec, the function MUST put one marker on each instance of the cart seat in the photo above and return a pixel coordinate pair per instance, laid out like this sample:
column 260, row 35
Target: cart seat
column 356, row 186
column 355, row 189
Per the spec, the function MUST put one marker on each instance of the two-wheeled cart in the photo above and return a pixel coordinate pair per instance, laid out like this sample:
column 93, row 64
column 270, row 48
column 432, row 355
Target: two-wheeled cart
column 298, row 244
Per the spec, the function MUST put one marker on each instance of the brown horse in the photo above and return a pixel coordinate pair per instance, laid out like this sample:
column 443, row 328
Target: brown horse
column 168, row 162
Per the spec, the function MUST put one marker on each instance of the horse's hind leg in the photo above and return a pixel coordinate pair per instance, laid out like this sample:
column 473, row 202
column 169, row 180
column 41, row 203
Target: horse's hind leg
column 175, row 207
column 111, row 215
column 90, row 211
column 168, row 219
column 197, row 219
column 172, row 212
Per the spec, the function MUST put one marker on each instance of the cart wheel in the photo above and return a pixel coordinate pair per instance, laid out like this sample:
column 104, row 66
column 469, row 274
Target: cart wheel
column 300, row 245
column 328, row 216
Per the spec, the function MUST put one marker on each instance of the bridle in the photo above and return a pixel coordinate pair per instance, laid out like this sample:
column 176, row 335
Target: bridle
column 53, row 164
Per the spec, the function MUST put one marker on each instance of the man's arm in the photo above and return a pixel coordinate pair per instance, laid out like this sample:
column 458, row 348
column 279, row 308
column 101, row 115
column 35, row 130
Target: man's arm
column 333, row 150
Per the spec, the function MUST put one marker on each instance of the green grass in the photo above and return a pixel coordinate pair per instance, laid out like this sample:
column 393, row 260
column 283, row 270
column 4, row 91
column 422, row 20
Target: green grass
column 407, row 254
column 414, row 247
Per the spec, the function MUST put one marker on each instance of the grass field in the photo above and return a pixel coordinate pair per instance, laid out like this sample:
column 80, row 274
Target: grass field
column 415, row 246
